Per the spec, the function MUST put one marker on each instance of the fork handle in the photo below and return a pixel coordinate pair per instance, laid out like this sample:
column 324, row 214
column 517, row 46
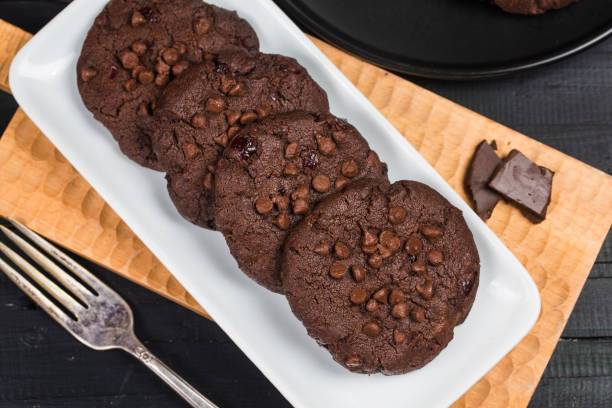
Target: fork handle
column 175, row 381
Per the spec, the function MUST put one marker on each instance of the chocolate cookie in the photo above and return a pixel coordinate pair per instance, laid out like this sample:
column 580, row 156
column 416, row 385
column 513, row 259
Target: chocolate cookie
column 136, row 46
column 379, row 275
column 200, row 111
column 273, row 172
column 532, row 6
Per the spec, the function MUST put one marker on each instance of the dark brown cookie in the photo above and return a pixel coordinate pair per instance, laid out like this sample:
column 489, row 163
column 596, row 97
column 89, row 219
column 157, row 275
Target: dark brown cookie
column 532, row 6
column 135, row 47
column 200, row 111
column 273, row 172
column 379, row 275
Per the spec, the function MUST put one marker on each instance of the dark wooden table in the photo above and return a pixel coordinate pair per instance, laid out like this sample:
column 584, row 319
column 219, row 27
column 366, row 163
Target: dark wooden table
column 567, row 106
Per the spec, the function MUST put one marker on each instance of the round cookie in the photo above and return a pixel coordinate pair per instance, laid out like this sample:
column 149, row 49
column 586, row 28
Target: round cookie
column 379, row 275
column 273, row 172
column 200, row 111
column 135, row 47
column 531, row 6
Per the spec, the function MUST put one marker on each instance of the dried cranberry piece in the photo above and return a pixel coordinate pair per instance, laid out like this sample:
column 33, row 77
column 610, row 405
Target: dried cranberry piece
column 311, row 160
column 222, row 68
column 149, row 14
column 245, row 147
column 113, row 72
column 468, row 285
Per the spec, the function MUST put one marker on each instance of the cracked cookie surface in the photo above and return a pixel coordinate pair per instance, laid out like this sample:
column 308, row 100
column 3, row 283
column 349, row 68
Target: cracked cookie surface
column 273, row 172
column 204, row 108
column 135, row 47
column 380, row 276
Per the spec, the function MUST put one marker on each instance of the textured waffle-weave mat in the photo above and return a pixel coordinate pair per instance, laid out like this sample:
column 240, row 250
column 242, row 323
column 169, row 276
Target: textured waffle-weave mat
column 41, row 189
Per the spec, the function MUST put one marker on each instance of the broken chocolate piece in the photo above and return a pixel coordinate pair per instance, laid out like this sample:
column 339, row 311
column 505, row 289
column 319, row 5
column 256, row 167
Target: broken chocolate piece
column 525, row 183
column 483, row 165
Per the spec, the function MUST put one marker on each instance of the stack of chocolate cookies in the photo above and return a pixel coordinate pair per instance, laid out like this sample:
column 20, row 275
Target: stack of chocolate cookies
column 379, row 273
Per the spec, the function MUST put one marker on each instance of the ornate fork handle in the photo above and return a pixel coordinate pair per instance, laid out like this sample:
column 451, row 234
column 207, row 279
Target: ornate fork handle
column 176, row 382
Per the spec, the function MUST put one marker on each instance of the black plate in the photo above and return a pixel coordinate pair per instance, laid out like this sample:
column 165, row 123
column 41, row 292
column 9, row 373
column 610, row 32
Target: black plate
column 452, row 39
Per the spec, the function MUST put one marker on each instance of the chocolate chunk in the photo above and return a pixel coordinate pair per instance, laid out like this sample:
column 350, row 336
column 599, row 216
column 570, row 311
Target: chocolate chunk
column 400, row 311
column 264, row 205
column 525, row 183
column 484, row 163
column 321, row 183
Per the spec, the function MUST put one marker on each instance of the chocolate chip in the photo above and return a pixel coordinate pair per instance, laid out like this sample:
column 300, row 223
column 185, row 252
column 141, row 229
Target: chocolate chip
column 369, row 249
column 264, row 205
column 397, row 296
column 128, row 59
column 341, row 250
column 321, row 183
column 337, row 271
column 142, row 110
column 375, row 261
column 179, row 67
column 372, row 305
column 198, row 121
column 300, row 206
column 371, row 329
column 322, row 249
column 398, row 337
column 419, row 268
column 290, row 170
column 358, row 296
column 311, row 161
column 341, row 182
column 162, row 79
column 300, row 192
column 136, row 71
column 381, row 295
column 400, row 311
column 326, row 146
column 137, row 19
column 146, row 77
column 389, row 240
column 282, row 221
column 227, row 84
column 397, row 215
column 232, row 116
column 201, row 26
column 417, row 314
column 359, row 273
column 431, row 231
column 221, row 139
column 88, row 73
column 413, row 245
column 232, row 131
column 130, row 85
column 352, row 362
column 245, row 147
column 350, row 168
column 170, row 56
column 291, row 150
column 161, row 67
column 384, row 251
column 369, row 239
column 248, row 117
column 190, row 150
column 215, row 104
column 435, row 257
column 237, row 90
column 425, row 289
column 180, row 47
column 262, row 112
column 208, row 181
column 281, row 202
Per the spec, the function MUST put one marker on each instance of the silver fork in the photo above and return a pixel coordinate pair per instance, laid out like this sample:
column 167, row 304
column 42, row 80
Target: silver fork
column 105, row 322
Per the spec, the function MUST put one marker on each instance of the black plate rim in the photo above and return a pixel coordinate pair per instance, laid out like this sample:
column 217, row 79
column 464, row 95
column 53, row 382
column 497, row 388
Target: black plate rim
column 452, row 73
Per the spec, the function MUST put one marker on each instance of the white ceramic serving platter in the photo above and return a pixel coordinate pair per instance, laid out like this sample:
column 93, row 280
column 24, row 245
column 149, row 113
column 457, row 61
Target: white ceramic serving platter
column 43, row 80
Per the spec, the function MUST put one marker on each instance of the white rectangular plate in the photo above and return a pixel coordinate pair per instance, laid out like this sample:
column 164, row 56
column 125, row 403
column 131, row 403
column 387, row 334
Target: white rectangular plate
column 43, row 80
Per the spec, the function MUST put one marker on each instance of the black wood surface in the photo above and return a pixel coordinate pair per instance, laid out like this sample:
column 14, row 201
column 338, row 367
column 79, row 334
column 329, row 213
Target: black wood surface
column 567, row 105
